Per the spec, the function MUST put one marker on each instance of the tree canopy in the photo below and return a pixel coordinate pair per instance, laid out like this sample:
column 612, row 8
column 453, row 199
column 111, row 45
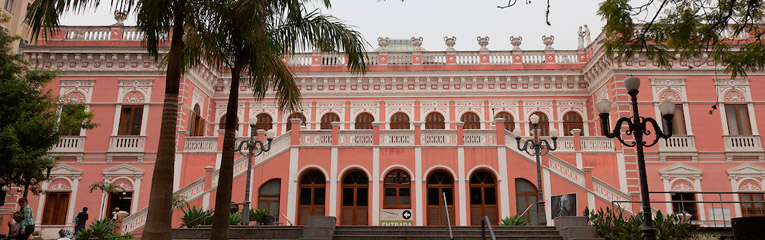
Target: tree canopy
column 32, row 119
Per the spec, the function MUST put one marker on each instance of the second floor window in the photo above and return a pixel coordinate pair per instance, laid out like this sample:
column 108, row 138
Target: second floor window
column 435, row 120
column 399, row 121
column 364, row 121
column 197, row 125
column 264, row 121
column 571, row 121
column 509, row 121
column 738, row 119
column 471, row 120
column 9, row 5
column 130, row 120
column 678, row 122
column 327, row 119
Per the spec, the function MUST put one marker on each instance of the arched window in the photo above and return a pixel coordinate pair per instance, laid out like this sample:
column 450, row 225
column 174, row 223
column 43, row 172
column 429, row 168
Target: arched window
column 293, row 116
column 222, row 123
column 327, row 119
column 264, row 122
column 471, row 120
column 399, row 121
column 311, row 196
column 435, row 120
column 526, row 194
column 571, row 121
column 196, row 123
column 440, row 183
column 355, row 198
column 398, row 194
column 544, row 124
column 483, row 197
column 364, row 121
column 509, row 121
column 268, row 197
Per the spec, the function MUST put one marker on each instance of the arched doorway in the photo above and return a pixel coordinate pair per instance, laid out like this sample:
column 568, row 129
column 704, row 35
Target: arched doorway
column 295, row 115
column 398, row 194
column 471, row 120
column 364, row 121
column 311, row 196
column 509, row 120
column 399, row 121
column 525, row 195
column 440, row 183
column 264, row 121
column 327, row 119
column 483, row 197
column 355, row 198
column 571, row 121
column 435, row 120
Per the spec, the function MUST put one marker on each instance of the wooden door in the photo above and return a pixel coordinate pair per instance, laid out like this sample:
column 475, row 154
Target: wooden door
column 440, row 183
column 311, row 196
column 355, row 198
column 483, row 198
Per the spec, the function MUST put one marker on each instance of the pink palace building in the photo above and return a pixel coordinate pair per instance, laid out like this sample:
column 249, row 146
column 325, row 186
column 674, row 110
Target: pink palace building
column 418, row 125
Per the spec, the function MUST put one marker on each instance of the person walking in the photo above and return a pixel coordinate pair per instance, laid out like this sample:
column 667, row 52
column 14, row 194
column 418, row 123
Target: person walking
column 27, row 222
column 80, row 221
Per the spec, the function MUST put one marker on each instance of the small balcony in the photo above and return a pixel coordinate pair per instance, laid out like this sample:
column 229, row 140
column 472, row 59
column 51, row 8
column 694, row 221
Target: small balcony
column 742, row 143
column 678, row 144
column 127, row 144
column 69, row 144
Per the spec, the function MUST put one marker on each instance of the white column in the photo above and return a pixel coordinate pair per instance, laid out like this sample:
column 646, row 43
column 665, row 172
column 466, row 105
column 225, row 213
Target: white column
column 548, row 195
column 375, row 186
column 218, row 157
column 622, row 171
column 724, row 119
column 136, row 194
column 206, row 201
column 752, row 119
column 687, row 115
column 504, row 190
column 419, row 210
column 333, row 182
column 734, row 188
column 177, row 167
column 591, row 200
column 700, row 198
column 667, row 196
column 116, row 124
column 579, row 160
column 292, row 179
column 461, row 186
column 72, row 200
column 40, row 204
column 144, row 119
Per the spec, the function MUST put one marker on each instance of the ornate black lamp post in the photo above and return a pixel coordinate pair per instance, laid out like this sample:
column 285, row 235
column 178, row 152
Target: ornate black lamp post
column 540, row 147
column 637, row 127
column 252, row 148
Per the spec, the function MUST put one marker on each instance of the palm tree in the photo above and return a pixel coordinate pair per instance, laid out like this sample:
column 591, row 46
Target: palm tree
column 249, row 36
column 157, row 19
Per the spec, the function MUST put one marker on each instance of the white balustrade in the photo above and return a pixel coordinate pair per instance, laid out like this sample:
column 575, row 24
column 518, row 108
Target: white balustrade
column 468, row 58
column 566, row 170
column 565, row 144
column 677, row 144
column 127, row 144
column 333, row 60
column 301, row 59
column 397, row 137
column 278, row 145
column 88, row 33
column 201, row 144
column 69, row 144
column 132, row 35
column 316, row 138
column 356, row 138
column 438, row 138
column 566, row 58
column 610, row 193
column 501, row 58
column 597, row 144
column 533, row 58
column 434, row 58
column 742, row 143
column 400, row 59
column 479, row 137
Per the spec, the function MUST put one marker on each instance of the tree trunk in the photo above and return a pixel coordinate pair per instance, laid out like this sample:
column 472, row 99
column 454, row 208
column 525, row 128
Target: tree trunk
column 225, row 177
column 159, row 218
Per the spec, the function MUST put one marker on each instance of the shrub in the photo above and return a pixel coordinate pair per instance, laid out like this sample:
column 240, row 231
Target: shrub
column 102, row 229
column 614, row 225
column 259, row 215
column 234, row 218
column 513, row 221
column 193, row 217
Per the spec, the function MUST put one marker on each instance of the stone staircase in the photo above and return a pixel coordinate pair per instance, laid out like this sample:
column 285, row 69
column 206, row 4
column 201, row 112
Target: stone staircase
column 440, row 232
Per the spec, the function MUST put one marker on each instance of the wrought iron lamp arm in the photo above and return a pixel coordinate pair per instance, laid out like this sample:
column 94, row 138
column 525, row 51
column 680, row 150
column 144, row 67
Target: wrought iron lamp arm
column 659, row 133
column 547, row 146
column 616, row 133
column 240, row 148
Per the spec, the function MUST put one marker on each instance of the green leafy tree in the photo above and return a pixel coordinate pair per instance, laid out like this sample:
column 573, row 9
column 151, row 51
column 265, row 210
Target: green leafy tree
column 157, row 19
column 32, row 120
column 248, row 37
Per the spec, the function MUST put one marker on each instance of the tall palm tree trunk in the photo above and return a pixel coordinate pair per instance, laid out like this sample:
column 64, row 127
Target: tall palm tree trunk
column 225, row 177
column 159, row 218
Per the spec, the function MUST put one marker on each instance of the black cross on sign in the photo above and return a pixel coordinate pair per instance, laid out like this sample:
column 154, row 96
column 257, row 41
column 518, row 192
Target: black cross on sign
column 407, row 214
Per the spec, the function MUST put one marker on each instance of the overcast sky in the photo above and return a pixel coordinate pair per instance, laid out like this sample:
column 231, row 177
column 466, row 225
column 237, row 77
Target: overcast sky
column 434, row 19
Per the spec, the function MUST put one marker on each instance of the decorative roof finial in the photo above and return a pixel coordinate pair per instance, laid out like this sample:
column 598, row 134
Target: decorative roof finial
column 120, row 16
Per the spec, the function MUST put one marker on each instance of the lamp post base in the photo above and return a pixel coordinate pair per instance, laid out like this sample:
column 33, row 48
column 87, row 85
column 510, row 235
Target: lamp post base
column 541, row 216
